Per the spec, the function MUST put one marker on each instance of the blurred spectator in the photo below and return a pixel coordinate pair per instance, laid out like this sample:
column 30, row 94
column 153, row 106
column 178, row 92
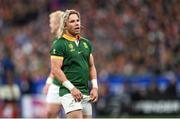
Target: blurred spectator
column 153, row 91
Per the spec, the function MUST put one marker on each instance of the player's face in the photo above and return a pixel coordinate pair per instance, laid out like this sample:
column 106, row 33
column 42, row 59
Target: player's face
column 54, row 25
column 73, row 25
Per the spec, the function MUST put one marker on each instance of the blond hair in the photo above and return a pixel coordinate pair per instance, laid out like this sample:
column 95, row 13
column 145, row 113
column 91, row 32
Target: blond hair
column 58, row 16
column 69, row 12
column 62, row 18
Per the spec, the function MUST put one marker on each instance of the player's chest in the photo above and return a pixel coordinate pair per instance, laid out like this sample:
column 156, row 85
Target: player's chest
column 80, row 49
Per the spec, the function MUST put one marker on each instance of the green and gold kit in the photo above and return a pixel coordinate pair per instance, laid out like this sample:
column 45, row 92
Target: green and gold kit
column 75, row 61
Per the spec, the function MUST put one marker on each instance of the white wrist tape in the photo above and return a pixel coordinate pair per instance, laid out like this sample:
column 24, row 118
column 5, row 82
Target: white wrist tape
column 68, row 85
column 94, row 83
column 49, row 80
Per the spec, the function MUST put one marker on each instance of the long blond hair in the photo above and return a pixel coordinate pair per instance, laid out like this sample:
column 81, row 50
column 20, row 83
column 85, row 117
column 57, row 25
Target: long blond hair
column 62, row 18
column 68, row 13
column 58, row 16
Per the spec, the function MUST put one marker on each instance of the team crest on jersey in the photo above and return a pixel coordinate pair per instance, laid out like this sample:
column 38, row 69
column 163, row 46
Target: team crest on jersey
column 71, row 47
column 85, row 44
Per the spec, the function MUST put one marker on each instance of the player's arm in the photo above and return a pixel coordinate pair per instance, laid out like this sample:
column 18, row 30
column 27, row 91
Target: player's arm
column 49, row 81
column 50, row 78
column 93, row 77
column 56, row 64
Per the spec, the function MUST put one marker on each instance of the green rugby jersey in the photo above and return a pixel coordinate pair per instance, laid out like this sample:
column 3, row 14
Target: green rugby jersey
column 75, row 61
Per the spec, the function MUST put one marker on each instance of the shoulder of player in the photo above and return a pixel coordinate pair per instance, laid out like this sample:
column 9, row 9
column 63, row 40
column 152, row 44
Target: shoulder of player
column 85, row 40
column 58, row 40
column 82, row 38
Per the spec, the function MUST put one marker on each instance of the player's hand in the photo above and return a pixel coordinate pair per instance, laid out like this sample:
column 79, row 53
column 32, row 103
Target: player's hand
column 45, row 89
column 76, row 94
column 93, row 95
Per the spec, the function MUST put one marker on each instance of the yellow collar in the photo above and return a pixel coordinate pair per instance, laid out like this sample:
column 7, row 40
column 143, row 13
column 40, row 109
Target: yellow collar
column 70, row 38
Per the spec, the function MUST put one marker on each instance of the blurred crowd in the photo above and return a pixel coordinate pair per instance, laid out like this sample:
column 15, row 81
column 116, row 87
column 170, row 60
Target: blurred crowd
column 130, row 37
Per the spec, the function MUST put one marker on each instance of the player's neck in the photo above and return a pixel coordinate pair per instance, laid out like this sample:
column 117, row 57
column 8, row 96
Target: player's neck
column 77, row 36
column 69, row 34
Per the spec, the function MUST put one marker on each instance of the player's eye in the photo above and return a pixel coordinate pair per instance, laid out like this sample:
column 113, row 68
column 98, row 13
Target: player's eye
column 72, row 21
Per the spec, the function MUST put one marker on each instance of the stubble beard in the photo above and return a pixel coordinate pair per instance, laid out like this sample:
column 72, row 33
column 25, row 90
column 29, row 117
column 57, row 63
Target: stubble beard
column 74, row 33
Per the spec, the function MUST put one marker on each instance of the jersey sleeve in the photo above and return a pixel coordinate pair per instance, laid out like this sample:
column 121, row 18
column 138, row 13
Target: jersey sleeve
column 90, row 46
column 57, row 48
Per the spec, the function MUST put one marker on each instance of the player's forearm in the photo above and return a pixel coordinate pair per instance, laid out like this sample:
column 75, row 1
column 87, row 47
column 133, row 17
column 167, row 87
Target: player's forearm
column 93, row 73
column 59, row 74
column 92, row 68
column 93, row 76
column 56, row 65
column 62, row 78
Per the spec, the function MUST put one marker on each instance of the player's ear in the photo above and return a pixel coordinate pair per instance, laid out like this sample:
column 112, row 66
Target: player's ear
column 65, row 26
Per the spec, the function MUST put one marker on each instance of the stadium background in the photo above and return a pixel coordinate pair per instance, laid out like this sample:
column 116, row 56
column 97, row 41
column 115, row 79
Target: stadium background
column 136, row 50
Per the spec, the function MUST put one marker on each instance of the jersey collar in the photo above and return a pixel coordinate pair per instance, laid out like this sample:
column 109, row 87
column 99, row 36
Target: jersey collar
column 70, row 38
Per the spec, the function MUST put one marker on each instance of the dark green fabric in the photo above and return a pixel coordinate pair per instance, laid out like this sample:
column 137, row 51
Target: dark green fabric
column 75, row 62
